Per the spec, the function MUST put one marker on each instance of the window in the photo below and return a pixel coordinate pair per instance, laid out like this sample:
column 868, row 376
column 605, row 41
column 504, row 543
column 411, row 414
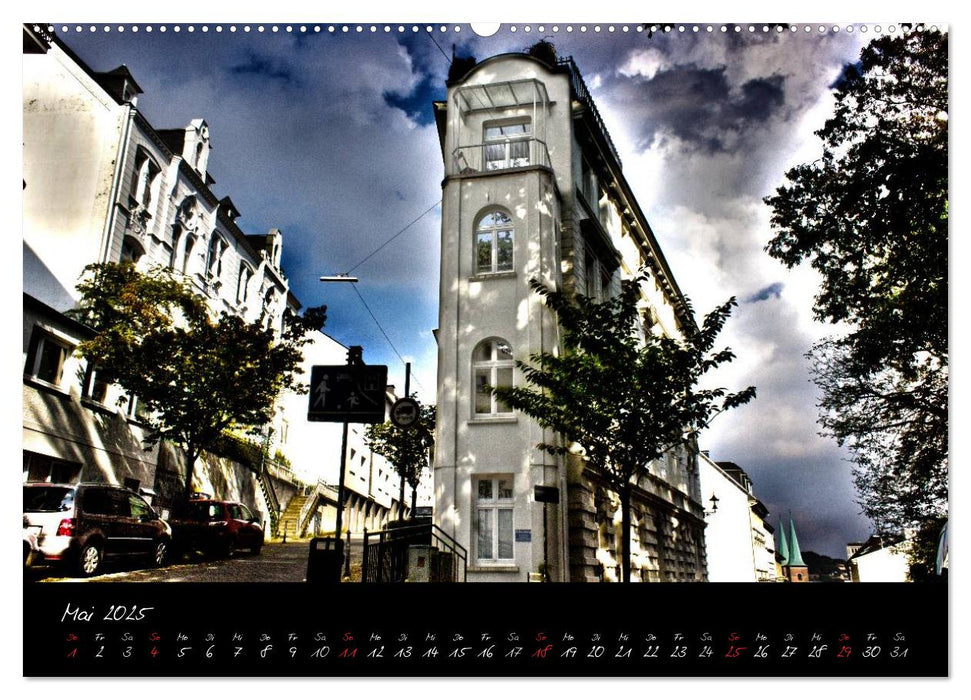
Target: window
column 137, row 410
column 492, row 365
column 190, row 244
column 131, row 250
column 506, row 145
column 597, row 276
column 493, row 243
column 217, row 246
column 45, row 358
column 245, row 275
column 147, row 181
column 140, row 510
column 493, row 518
column 38, row 467
column 95, row 388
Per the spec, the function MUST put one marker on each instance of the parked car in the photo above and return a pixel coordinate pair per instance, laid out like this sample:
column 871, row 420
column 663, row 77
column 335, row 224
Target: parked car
column 82, row 525
column 217, row 528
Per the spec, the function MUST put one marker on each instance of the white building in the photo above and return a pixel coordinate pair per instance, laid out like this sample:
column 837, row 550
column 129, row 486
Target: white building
column 534, row 189
column 738, row 540
column 881, row 560
column 102, row 185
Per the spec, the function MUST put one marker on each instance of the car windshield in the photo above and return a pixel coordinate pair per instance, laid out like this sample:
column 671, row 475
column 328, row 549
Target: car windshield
column 47, row 499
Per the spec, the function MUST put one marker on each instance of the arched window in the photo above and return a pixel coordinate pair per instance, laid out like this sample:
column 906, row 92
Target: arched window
column 147, row 181
column 242, row 286
column 190, row 244
column 492, row 366
column 131, row 250
column 493, row 243
column 217, row 247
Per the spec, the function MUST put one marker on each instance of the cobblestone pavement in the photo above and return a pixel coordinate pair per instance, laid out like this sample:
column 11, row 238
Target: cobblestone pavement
column 277, row 563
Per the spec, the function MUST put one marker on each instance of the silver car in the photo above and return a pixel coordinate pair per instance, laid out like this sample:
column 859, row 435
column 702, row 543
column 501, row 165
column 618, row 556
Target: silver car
column 82, row 525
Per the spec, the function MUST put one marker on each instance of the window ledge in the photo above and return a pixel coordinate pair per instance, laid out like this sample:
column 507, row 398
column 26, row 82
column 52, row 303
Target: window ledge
column 96, row 405
column 37, row 383
column 493, row 569
column 486, row 276
column 486, row 420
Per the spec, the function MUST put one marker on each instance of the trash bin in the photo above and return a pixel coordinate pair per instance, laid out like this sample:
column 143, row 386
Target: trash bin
column 325, row 561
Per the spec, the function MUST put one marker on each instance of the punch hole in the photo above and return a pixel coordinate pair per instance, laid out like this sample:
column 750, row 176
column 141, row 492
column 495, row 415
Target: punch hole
column 485, row 28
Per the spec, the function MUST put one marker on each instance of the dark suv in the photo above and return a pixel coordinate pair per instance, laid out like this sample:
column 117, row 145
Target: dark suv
column 84, row 524
column 217, row 528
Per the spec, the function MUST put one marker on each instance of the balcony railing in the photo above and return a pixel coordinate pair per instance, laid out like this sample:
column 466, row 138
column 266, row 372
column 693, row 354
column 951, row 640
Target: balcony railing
column 584, row 96
column 498, row 156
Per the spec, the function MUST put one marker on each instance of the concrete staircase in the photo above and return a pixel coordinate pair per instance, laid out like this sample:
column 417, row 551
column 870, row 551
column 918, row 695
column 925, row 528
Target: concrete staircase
column 290, row 519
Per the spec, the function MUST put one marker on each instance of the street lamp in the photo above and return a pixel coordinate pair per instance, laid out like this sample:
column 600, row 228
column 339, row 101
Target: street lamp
column 714, row 505
column 338, row 278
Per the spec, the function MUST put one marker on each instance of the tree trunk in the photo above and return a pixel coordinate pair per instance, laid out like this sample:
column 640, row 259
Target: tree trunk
column 401, row 498
column 624, row 552
column 190, row 461
column 414, row 499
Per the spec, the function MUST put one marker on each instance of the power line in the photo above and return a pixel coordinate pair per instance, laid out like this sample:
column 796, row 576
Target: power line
column 380, row 328
column 439, row 47
column 380, row 247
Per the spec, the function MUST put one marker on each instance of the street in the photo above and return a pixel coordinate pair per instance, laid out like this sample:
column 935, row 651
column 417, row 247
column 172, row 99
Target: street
column 279, row 562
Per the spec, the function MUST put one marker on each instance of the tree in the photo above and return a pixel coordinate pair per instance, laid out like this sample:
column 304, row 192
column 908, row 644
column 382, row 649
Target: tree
column 197, row 375
column 624, row 399
column 871, row 216
column 406, row 449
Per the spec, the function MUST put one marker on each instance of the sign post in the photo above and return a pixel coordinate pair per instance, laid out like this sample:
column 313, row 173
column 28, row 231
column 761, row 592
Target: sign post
column 351, row 393
column 546, row 495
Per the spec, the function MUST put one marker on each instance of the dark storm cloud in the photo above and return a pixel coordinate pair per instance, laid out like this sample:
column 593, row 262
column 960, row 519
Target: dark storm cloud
column 773, row 290
column 330, row 138
column 417, row 104
column 257, row 67
column 700, row 107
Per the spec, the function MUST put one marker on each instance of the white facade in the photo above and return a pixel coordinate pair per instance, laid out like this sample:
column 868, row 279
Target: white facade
column 533, row 190
column 738, row 541
column 102, row 185
column 878, row 564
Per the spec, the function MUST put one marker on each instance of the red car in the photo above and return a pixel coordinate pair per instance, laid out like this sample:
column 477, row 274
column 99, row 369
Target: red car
column 217, row 528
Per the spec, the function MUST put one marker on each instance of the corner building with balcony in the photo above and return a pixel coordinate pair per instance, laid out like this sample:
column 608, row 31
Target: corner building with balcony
column 533, row 189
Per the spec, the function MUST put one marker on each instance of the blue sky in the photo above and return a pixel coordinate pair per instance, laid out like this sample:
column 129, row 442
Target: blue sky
column 330, row 137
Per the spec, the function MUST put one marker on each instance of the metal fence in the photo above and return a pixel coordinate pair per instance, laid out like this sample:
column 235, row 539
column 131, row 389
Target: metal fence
column 385, row 554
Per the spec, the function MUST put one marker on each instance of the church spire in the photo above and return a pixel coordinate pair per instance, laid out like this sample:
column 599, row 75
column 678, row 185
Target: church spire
column 795, row 556
column 783, row 548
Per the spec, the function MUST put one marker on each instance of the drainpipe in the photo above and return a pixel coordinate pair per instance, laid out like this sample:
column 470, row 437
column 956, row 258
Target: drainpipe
column 122, row 158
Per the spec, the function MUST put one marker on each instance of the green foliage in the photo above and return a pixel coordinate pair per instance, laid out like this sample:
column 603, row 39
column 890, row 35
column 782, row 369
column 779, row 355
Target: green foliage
column 406, row 449
column 246, row 452
column 871, row 216
column 923, row 552
column 196, row 375
column 623, row 398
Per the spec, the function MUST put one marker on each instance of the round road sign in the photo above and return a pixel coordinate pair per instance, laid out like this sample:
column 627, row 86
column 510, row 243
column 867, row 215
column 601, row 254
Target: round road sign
column 404, row 412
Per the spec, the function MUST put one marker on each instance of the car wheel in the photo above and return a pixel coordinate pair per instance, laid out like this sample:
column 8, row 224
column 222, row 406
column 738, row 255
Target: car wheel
column 255, row 549
column 89, row 559
column 161, row 553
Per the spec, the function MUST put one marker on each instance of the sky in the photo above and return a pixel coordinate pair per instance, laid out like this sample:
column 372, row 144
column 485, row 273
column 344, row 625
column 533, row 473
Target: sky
column 330, row 137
